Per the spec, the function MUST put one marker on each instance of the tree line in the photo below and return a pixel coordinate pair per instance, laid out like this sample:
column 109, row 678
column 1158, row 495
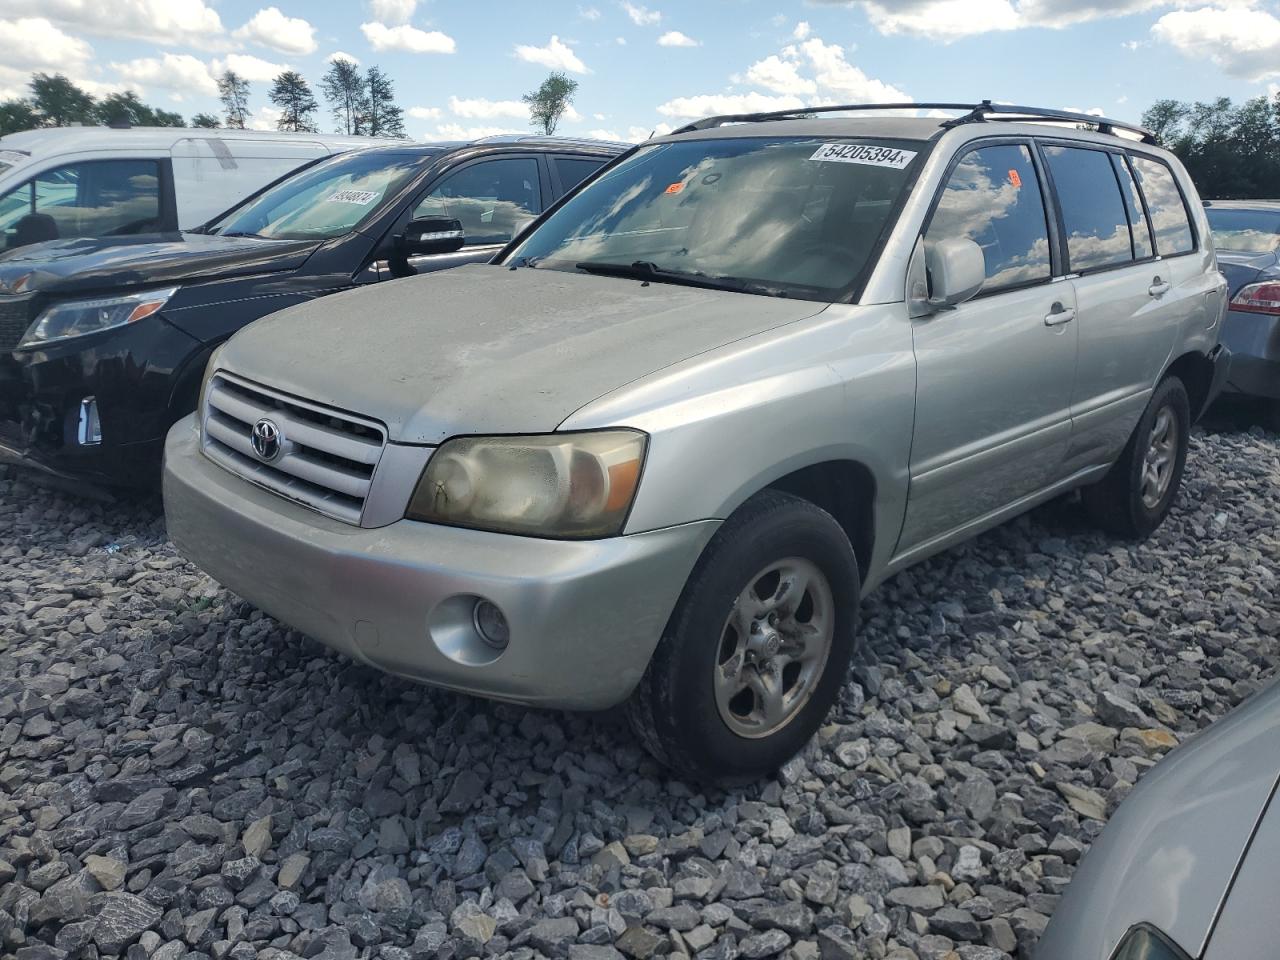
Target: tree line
column 1232, row 152
column 362, row 104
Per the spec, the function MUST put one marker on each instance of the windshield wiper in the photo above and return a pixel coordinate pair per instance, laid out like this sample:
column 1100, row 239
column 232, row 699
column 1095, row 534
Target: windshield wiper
column 243, row 233
column 648, row 270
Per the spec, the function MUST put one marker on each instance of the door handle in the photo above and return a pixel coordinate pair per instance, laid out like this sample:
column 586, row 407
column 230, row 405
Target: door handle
column 1159, row 288
column 1059, row 315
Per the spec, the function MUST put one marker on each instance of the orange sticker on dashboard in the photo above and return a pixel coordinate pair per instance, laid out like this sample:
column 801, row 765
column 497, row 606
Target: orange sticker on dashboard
column 1015, row 179
column 675, row 187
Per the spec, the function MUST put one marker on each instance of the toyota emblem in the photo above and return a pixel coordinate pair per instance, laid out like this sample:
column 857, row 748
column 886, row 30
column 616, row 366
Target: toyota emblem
column 266, row 440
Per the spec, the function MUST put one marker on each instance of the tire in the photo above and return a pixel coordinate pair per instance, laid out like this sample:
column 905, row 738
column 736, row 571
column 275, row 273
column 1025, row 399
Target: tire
column 1121, row 502
column 679, row 709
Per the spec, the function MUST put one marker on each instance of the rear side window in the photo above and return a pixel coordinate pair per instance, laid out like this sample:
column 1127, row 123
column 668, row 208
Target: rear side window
column 1093, row 211
column 573, row 170
column 1142, row 245
column 993, row 198
column 1168, row 210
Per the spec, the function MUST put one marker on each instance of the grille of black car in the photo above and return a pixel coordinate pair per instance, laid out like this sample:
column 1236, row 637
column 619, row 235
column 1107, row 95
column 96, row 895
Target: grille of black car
column 14, row 320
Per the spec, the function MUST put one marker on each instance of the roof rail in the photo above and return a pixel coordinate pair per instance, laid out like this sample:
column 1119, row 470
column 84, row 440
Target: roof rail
column 973, row 113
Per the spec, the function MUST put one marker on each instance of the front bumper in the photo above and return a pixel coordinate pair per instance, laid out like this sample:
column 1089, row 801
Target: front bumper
column 584, row 616
column 1254, row 342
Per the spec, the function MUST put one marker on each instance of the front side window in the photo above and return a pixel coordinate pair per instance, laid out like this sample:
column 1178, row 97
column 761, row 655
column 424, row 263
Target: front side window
column 492, row 199
column 794, row 216
column 1169, row 214
column 993, row 198
column 1093, row 211
column 1245, row 231
column 100, row 198
column 325, row 201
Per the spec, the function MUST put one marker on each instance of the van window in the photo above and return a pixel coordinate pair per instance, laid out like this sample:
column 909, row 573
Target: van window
column 993, row 198
column 1093, row 212
column 1142, row 244
column 1168, row 210
column 98, row 198
column 493, row 199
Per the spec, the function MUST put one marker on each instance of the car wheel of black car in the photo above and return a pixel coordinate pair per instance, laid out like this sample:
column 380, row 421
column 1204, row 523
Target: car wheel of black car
column 1134, row 497
column 758, row 646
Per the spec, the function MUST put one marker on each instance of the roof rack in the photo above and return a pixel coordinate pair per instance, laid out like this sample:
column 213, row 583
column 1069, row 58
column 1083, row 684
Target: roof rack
column 973, row 113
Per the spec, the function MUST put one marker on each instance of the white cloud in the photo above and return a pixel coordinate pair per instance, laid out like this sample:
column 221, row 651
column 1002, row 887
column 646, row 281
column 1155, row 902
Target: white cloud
column 641, row 16
column 271, row 28
column 1243, row 43
column 705, row 105
column 556, row 54
column 949, row 20
column 456, row 131
column 674, row 38
column 264, row 118
column 179, row 72
column 620, row 41
column 478, row 108
column 411, row 39
column 802, row 30
column 253, row 69
column 342, row 55
column 393, row 11
column 780, row 76
column 589, row 13
column 835, row 75
column 166, row 22
column 425, row 113
column 33, row 43
column 599, row 134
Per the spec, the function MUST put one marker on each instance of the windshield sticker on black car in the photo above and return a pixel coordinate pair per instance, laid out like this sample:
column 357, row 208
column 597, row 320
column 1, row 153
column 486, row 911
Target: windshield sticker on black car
column 868, row 156
column 362, row 197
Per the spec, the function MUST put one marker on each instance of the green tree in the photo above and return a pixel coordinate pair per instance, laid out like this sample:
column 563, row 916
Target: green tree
column 167, row 118
column 206, row 121
column 233, row 91
column 548, row 103
column 343, row 87
column 1230, row 151
column 59, row 101
column 17, row 115
column 297, row 104
column 382, row 117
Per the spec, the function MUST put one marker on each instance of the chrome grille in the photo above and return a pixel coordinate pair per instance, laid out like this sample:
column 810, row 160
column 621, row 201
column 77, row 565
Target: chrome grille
column 326, row 458
column 14, row 320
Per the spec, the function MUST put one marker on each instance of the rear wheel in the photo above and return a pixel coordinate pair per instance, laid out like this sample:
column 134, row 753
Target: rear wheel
column 758, row 646
column 1135, row 496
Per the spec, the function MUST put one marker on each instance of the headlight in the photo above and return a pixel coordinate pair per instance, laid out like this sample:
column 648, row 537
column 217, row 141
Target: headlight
column 76, row 318
column 572, row 485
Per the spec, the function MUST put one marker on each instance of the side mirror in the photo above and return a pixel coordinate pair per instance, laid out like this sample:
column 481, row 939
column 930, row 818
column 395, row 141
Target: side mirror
column 429, row 235
column 957, row 271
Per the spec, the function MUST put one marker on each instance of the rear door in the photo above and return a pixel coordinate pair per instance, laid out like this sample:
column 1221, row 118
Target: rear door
column 994, row 375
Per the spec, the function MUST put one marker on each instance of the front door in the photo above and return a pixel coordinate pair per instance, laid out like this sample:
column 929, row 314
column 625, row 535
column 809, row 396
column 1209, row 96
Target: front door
column 993, row 376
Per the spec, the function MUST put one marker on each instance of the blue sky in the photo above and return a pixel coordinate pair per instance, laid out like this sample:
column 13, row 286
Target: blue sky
column 460, row 68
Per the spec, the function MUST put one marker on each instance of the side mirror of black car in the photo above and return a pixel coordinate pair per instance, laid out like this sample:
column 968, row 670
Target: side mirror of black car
column 429, row 235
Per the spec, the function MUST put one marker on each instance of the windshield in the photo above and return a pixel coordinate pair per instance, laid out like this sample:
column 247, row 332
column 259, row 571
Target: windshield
column 324, row 201
column 787, row 216
column 1245, row 231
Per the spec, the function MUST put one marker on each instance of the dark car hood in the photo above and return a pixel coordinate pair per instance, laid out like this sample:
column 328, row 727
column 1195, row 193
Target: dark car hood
column 65, row 267
column 1244, row 268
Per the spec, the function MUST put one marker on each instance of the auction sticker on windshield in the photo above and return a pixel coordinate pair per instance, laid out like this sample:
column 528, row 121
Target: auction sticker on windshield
column 362, row 197
column 860, row 153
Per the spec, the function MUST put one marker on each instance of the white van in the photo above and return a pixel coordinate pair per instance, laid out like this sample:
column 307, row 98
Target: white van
column 66, row 182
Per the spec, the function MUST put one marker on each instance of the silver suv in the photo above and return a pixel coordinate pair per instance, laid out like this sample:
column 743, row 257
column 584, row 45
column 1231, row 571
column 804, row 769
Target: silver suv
column 660, row 448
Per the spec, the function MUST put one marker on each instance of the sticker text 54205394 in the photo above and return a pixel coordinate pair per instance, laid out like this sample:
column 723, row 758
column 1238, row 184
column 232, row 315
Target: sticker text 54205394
column 863, row 154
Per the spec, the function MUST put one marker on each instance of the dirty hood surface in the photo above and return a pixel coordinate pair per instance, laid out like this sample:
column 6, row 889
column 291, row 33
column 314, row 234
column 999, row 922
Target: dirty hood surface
column 485, row 349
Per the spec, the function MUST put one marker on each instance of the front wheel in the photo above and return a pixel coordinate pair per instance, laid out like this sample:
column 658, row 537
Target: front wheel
column 758, row 646
column 1135, row 496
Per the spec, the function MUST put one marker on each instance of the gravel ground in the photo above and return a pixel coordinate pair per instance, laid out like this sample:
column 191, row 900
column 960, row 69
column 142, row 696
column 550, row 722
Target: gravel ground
column 179, row 776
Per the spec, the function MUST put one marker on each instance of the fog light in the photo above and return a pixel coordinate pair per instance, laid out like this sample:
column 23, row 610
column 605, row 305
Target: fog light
column 491, row 624
column 89, row 428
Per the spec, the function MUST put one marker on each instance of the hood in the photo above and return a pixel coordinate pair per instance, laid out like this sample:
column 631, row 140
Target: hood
column 66, row 267
column 1241, row 269
column 485, row 349
column 1169, row 854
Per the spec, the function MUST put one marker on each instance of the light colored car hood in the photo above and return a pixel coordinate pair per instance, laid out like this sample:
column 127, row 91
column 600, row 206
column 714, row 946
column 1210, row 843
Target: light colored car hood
column 1169, row 854
column 484, row 349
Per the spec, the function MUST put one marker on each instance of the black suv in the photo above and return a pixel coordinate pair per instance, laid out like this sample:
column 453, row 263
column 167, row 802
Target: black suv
column 103, row 342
